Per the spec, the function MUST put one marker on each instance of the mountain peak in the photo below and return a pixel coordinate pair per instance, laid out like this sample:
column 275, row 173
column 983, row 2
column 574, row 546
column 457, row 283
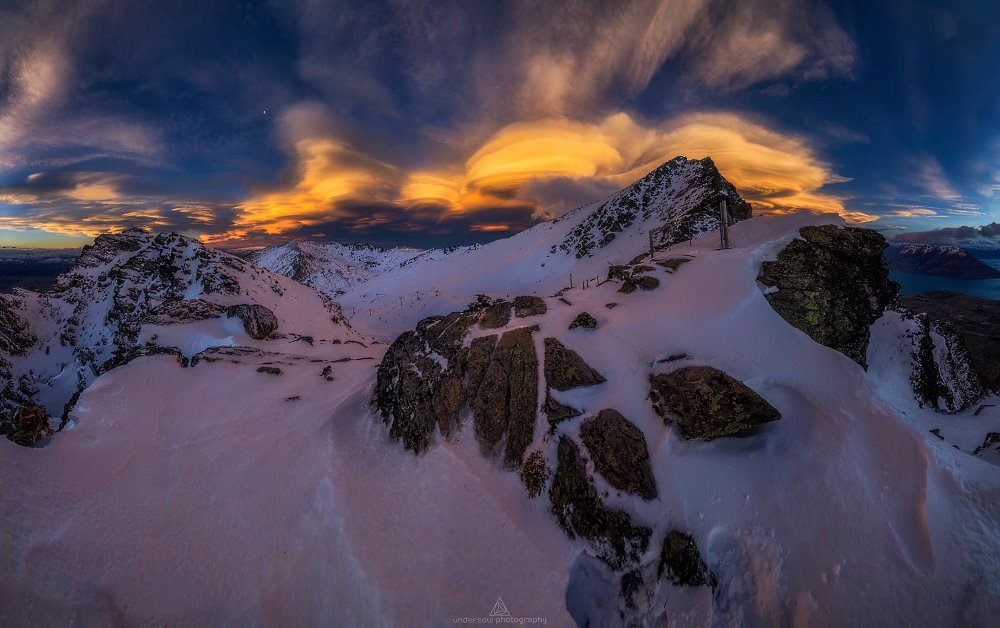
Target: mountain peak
column 680, row 199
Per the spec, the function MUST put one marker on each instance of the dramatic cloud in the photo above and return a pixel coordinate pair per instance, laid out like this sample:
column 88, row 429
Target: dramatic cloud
column 452, row 121
column 520, row 169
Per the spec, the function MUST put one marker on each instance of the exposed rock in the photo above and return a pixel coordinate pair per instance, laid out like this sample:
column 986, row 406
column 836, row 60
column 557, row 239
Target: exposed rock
column 673, row 263
column 175, row 310
column 270, row 370
column 618, row 449
column 427, row 376
column 580, row 511
column 496, row 315
column 529, row 306
column 992, row 438
column 506, row 401
column 565, row 369
column 611, row 305
column 557, row 412
column 833, row 284
column 643, row 282
column 534, row 473
column 707, row 403
column 258, row 321
column 419, row 382
column 327, row 373
column 681, row 562
column 943, row 376
column 121, row 358
column 25, row 425
column 974, row 320
column 584, row 319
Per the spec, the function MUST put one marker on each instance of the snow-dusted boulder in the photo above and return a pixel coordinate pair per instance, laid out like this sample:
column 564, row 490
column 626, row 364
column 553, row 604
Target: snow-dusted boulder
column 565, row 369
column 619, row 452
column 25, row 425
column 832, row 284
column 581, row 512
column 258, row 321
column 706, row 403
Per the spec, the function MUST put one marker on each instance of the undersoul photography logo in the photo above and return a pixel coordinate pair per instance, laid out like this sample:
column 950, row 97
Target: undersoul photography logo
column 500, row 615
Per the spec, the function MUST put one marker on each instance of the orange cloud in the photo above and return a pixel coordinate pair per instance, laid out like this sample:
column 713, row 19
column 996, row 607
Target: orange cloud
column 778, row 172
column 327, row 171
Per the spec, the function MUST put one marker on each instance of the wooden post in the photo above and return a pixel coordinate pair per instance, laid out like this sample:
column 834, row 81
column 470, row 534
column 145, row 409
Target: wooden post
column 651, row 244
column 571, row 280
column 724, row 224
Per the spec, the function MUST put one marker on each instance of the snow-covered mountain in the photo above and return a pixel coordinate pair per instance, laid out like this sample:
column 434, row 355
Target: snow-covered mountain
column 702, row 437
column 941, row 260
column 135, row 293
column 330, row 267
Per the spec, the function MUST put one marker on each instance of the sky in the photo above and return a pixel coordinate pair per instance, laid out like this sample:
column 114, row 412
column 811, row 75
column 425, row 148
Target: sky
column 439, row 122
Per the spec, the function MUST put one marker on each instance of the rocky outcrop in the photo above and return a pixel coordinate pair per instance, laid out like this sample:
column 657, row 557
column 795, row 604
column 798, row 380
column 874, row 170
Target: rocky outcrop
column 565, row 369
column 618, row 449
column 973, row 321
column 26, row 425
column 832, row 284
column 506, row 401
column 258, row 321
column 580, row 511
column 557, row 412
column 585, row 320
column 529, row 306
column 681, row 562
column 428, row 375
column 706, row 403
column 419, row 383
column 496, row 315
column 944, row 377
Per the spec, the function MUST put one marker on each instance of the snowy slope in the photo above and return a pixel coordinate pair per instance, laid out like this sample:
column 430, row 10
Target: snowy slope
column 330, row 267
column 217, row 495
column 677, row 200
column 130, row 290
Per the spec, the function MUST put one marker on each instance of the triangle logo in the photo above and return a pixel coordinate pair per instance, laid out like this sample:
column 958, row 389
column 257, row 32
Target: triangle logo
column 500, row 609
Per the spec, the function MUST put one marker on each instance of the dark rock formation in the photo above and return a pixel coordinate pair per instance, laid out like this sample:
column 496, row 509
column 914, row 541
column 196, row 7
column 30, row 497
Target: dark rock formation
column 565, row 369
column 833, row 284
column 944, row 376
column 557, row 412
column 681, row 562
column 643, row 282
column 270, row 370
column 529, row 306
column 534, row 473
column 673, row 263
column 496, row 315
column 618, row 449
column 580, row 511
column 258, row 321
column 585, row 320
column 506, row 401
column 706, row 403
column 973, row 320
column 26, row 425
column 427, row 376
column 419, row 382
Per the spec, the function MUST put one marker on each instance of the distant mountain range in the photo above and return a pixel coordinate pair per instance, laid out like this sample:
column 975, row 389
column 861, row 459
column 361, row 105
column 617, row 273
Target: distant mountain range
column 939, row 259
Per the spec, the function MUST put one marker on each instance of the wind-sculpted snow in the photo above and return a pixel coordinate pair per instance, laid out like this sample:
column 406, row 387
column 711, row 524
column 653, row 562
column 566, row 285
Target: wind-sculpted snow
column 221, row 494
